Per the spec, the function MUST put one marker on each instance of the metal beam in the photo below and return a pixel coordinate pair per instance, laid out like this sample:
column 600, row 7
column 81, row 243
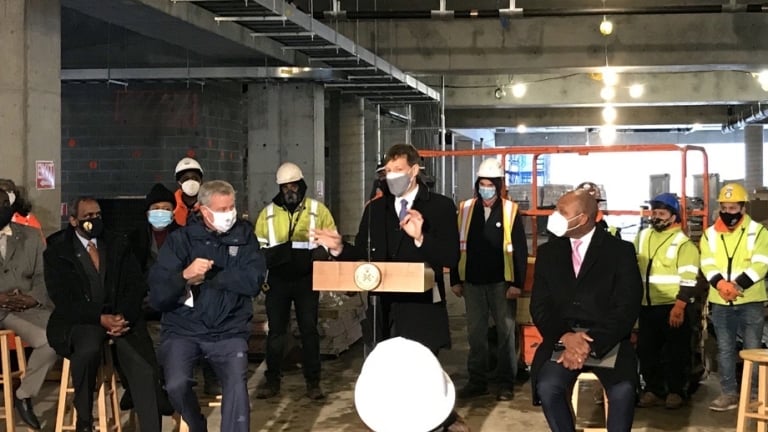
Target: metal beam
column 623, row 137
column 245, row 73
column 647, row 43
column 185, row 25
column 284, row 9
column 583, row 90
column 585, row 117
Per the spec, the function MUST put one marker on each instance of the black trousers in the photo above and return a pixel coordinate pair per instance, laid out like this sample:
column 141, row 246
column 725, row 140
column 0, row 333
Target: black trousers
column 279, row 298
column 88, row 341
column 664, row 351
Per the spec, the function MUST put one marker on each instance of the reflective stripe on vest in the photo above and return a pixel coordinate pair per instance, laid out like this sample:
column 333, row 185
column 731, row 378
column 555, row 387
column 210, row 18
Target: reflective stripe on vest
column 509, row 212
column 295, row 245
column 712, row 240
column 665, row 286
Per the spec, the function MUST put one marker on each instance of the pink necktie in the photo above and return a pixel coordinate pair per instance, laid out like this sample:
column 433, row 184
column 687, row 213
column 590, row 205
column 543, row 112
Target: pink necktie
column 576, row 256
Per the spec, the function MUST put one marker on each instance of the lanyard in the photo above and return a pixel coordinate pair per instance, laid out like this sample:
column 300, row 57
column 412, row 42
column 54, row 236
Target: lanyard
column 730, row 256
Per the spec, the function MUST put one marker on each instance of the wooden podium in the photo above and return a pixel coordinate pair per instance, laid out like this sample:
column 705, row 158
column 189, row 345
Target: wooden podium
column 372, row 276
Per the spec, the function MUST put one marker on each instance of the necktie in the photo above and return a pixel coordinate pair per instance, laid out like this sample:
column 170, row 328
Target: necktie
column 403, row 208
column 94, row 253
column 576, row 256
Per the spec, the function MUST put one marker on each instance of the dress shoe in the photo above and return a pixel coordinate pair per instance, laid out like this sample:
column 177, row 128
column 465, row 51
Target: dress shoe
column 470, row 391
column 314, row 392
column 459, row 425
column 24, row 409
column 505, row 394
column 268, row 390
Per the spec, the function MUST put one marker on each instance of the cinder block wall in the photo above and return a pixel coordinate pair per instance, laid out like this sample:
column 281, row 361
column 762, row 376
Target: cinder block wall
column 118, row 142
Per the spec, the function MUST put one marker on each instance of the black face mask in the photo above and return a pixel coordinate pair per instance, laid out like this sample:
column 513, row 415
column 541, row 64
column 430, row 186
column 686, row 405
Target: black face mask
column 91, row 228
column 6, row 214
column 730, row 219
column 660, row 224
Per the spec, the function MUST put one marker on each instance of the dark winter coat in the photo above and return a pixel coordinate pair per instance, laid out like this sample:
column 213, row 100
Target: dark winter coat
column 413, row 316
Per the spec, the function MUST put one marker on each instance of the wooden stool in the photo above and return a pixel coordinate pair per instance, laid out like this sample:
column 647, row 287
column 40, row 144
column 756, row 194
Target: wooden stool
column 184, row 427
column 107, row 397
column 10, row 341
column 583, row 377
column 748, row 408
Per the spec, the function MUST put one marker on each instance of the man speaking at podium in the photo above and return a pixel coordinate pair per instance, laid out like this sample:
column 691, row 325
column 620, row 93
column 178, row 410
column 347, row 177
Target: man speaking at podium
column 409, row 224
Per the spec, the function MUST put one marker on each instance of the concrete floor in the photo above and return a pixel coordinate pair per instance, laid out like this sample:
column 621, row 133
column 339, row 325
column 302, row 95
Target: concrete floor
column 294, row 412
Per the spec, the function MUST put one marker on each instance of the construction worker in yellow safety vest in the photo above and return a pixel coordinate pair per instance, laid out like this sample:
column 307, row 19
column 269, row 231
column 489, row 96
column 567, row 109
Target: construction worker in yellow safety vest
column 669, row 263
column 734, row 259
column 594, row 191
column 282, row 229
column 490, row 277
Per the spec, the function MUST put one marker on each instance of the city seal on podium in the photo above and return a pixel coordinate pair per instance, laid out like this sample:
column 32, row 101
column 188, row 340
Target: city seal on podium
column 367, row 276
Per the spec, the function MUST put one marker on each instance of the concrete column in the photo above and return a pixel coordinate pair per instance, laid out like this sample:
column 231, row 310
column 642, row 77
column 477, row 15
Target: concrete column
column 753, row 157
column 353, row 188
column 285, row 124
column 30, row 100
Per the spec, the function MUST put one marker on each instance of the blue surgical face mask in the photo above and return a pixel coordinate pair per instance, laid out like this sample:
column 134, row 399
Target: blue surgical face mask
column 486, row 192
column 159, row 219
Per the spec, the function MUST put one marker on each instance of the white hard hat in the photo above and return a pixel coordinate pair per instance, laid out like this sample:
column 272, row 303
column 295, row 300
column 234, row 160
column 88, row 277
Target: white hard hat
column 188, row 164
column 288, row 173
column 403, row 388
column 490, row 168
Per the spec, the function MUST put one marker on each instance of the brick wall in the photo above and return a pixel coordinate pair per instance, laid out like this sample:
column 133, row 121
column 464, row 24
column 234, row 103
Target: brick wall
column 118, row 142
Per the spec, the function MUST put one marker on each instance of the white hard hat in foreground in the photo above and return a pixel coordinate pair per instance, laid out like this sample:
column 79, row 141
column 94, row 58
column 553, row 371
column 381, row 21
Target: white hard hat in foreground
column 403, row 388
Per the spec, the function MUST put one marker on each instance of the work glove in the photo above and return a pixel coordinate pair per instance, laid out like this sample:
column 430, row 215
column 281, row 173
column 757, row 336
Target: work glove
column 677, row 314
column 727, row 290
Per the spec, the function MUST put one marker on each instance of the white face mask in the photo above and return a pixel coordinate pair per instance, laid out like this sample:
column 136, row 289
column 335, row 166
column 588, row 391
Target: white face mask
column 11, row 197
column 223, row 221
column 190, row 187
column 557, row 224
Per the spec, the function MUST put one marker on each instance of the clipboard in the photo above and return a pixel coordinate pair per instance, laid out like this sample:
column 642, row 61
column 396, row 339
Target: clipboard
column 608, row 361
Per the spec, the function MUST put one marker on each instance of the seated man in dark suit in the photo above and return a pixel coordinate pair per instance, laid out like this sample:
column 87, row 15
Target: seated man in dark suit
column 97, row 288
column 586, row 298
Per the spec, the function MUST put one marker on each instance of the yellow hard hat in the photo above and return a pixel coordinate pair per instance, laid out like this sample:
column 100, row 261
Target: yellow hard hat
column 732, row 193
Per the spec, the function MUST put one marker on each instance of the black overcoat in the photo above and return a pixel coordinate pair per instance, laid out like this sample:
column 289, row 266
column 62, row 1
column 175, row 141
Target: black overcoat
column 604, row 298
column 69, row 289
column 413, row 316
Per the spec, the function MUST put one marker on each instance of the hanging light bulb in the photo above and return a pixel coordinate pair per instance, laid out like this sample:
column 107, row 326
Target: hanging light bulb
column 521, row 128
column 762, row 78
column 606, row 26
column 608, row 93
column 610, row 76
column 636, row 91
column 609, row 114
column 607, row 134
column 519, row 90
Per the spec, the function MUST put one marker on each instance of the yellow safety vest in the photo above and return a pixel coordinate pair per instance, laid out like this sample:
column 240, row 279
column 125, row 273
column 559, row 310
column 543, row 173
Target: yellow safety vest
column 509, row 211
column 274, row 222
column 675, row 263
column 748, row 247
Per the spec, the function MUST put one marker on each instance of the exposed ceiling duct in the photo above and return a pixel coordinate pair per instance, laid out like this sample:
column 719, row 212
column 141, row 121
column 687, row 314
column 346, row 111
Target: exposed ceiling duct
column 367, row 75
column 512, row 12
column 201, row 73
column 755, row 114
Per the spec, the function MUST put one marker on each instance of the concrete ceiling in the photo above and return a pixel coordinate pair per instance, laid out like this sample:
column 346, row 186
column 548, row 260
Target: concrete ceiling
column 695, row 67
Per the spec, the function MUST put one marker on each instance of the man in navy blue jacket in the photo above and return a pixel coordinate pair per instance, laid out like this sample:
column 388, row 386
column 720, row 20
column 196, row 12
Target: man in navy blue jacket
column 203, row 282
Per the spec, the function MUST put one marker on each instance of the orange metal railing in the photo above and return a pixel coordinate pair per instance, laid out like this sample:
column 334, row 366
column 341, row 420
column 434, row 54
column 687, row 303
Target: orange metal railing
column 537, row 151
